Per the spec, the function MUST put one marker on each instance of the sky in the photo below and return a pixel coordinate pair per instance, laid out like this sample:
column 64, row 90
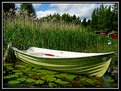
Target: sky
column 82, row 10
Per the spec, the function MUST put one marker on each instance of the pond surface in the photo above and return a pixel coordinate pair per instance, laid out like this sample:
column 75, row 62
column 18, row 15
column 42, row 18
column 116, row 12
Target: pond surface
column 23, row 75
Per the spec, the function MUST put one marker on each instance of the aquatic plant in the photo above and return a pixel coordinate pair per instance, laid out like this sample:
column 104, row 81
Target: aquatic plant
column 50, row 84
column 39, row 82
column 70, row 77
column 13, row 82
column 49, row 78
column 21, row 79
column 30, row 80
column 109, row 79
column 59, row 81
column 10, row 76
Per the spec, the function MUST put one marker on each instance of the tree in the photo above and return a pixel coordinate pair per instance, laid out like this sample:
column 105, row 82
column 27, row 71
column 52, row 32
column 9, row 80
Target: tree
column 58, row 17
column 74, row 18
column 88, row 22
column 115, row 16
column 29, row 8
column 78, row 20
column 103, row 18
column 94, row 19
column 9, row 8
column 65, row 18
column 115, row 9
column 84, row 23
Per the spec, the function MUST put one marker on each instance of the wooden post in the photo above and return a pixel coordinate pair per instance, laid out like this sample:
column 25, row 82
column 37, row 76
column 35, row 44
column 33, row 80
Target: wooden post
column 6, row 51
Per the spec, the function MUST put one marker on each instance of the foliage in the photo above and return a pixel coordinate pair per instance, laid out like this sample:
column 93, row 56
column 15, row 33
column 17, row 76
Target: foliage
column 70, row 77
column 13, row 82
column 64, row 18
column 30, row 80
column 84, row 22
column 21, row 79
column 49, row 78
column 59, row 81
column 115, row 16
column 8, row 6
column 9, row 10
column 109, row 79
column 39, row 82
column 10, row 76
column 103, row 18
column 86, row 81
column 29, row 8
column 34, row 78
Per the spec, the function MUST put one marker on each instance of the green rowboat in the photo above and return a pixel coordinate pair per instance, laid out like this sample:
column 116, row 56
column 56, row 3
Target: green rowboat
column 92, row 64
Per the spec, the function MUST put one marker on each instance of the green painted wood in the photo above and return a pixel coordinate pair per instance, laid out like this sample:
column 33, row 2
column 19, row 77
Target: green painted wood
column 92, row 66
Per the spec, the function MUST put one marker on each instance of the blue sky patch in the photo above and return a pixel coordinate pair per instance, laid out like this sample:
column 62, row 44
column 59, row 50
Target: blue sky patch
column 80, row 10
column 43, row 7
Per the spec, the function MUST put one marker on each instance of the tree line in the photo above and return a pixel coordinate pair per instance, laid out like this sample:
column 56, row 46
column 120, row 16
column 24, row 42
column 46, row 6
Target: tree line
column 56, row 17
column 103, row 18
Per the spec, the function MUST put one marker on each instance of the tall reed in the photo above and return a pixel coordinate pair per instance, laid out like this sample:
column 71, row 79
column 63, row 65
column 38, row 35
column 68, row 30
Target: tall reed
column 24, row 32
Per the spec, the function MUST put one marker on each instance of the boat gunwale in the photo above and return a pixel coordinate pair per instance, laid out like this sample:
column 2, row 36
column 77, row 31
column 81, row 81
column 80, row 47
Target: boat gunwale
column 100, row 54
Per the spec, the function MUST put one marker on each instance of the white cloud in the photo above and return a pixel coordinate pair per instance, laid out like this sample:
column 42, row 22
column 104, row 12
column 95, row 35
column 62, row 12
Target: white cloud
column 36, row 6
column 17, row 5
column 81, row 10
column 60, row 6
column 41, row 14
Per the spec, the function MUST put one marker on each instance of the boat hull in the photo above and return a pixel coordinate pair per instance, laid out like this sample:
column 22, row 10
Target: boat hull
column 92, row 66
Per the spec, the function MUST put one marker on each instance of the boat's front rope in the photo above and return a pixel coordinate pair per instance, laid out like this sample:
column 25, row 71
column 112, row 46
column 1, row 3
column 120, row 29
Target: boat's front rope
column 7, row 50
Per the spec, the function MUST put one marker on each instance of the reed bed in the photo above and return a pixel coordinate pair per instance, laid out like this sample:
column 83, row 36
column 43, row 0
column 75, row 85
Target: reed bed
column 25, row 32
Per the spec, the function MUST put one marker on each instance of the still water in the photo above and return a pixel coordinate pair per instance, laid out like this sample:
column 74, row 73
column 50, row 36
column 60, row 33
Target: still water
column 23, row 75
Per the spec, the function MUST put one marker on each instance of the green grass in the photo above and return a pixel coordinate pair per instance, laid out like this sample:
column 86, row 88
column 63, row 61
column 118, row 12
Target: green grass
column 27, row 36
column 25, row 33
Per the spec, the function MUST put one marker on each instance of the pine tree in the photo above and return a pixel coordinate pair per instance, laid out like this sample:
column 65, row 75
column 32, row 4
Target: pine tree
column 9, row 8
column 84, row 23
column 115, row 16
column 29, row 8
column 103, row 18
